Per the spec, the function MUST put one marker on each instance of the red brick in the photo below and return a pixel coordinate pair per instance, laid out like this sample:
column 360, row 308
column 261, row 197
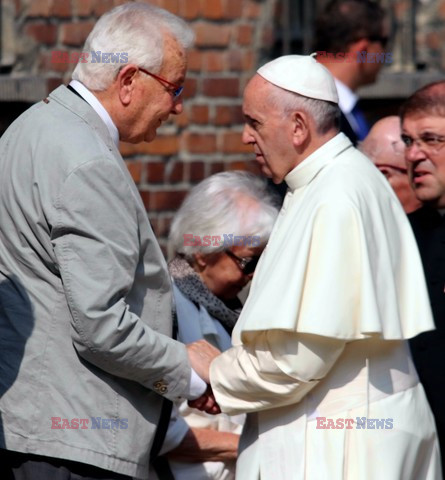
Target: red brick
column 221, row 87
column 246, row 166
column 155, row 172
column 190, row 9
column 195, row 58
column 241, row 60
column 213, row 9
column 162, row 201
column 75, row 34
column 197, row 171
column 244, row 34
column 102, row 6
column 61, row 8
column 233, row 9
column 174, row 172
column 199, row 142
column 190, row 87
column 231, row 143
column 252, row 9
column 216, row 167
column 181, row 120
column 40, row 8
column 211, row 35
column 199, row 114
column 135, row 169
column 171, row 5
column 42, row 32
column 228, row 115
column 83, row 8
column 163, row 145
column 214, row 61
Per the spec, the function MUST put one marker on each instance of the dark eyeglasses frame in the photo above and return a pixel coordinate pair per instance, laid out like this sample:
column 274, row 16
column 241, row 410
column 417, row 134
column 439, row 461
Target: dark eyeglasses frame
column 177, row 88
column 246, row 264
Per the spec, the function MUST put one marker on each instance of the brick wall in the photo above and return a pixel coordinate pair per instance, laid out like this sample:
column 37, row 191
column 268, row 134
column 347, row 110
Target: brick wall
column 230, row 37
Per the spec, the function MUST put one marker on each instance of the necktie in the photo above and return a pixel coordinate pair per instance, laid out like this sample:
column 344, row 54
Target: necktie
column 362, row 125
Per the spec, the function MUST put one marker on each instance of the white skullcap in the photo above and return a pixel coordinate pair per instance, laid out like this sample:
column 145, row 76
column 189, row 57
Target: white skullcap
column 301, row 74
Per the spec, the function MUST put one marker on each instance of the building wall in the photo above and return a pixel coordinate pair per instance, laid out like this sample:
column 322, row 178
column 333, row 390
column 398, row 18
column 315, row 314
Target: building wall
column 206, row 138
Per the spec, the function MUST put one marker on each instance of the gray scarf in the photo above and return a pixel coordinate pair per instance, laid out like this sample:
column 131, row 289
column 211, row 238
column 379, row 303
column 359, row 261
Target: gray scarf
column 191, row 285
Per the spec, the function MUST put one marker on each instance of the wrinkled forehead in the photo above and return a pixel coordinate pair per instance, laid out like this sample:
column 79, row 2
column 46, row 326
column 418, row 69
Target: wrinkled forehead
column 422, row 121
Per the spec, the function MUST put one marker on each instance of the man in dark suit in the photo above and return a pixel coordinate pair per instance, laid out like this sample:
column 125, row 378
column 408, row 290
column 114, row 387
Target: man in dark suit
column 423, row 132
column 346, row 31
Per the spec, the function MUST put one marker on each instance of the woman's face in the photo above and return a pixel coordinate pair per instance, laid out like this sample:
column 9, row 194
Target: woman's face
column 222, row 272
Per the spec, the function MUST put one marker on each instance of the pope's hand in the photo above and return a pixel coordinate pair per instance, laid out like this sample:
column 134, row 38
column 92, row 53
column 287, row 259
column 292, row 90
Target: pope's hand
column 201, row 354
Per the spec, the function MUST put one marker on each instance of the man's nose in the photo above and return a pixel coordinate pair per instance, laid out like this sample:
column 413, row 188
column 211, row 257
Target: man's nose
column 247, row 135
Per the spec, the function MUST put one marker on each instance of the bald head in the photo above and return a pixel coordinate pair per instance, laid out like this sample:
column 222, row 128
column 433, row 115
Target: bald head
column 385, row 148
column 383, row 144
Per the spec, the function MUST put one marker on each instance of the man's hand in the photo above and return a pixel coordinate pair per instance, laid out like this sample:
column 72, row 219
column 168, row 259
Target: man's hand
column 201, row 354
column 206, row 403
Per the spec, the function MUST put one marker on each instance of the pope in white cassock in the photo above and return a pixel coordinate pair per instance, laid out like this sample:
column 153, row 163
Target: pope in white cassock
column 320, row 360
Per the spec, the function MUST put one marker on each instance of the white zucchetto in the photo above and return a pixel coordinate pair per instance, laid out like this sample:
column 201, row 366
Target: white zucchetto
column 301, row 74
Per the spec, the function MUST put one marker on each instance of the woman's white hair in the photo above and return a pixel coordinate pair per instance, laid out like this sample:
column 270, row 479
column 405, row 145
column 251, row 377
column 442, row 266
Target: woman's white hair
column 134, row 33
column 326, row 115
column 225, row 205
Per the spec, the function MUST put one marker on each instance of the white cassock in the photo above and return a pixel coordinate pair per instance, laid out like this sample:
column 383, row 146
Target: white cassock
column 321, row 339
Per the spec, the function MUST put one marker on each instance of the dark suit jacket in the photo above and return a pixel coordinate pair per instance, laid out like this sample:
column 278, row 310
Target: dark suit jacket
column 428, row 349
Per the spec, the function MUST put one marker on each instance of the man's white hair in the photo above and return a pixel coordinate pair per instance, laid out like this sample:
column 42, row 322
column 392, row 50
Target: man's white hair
column 134, row 29
column 227, row 203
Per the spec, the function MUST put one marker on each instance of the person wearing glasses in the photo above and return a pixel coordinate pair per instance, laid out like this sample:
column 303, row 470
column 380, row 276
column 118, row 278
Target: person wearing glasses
column 423, row 132
column 238, row 211
column 386, row 149
column 86, row 354
column 320, row 361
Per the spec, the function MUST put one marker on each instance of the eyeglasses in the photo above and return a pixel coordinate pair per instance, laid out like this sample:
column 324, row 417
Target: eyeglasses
column 246, row 264
column 430, row 142
column 177, row 88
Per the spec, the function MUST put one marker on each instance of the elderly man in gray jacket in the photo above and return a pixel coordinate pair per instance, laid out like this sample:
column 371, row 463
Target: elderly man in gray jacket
column 85, row 298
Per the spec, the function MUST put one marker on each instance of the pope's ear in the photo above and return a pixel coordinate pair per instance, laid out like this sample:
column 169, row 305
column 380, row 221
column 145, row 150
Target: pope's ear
column 300, row 124
column 126, row 83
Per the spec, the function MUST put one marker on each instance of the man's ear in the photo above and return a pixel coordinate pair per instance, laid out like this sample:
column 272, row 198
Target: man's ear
column 361, row 45
column 126, row 83
column 300, row 123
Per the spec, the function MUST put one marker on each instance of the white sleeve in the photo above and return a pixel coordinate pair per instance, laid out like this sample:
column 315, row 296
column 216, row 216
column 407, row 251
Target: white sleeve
column 271, row 369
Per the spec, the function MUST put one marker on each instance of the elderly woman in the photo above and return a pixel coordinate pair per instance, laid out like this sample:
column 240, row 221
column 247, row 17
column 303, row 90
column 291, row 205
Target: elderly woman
column 216, row 238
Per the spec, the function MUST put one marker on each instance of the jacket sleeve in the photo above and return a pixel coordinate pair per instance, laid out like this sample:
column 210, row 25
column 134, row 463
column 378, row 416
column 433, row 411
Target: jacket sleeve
column 271, row 369
column 96, row 241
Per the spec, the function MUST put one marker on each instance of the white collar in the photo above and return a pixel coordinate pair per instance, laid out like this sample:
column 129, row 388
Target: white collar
column 307, row 170
column 98, row 108
column 346, row 97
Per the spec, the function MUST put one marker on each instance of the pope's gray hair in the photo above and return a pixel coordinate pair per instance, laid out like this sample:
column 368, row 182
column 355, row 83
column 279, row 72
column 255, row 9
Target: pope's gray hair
column 326, row 115
column 136, row 30
column 228, row 203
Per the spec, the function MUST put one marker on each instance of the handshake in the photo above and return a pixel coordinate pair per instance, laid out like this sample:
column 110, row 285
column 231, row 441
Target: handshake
column 201, row 354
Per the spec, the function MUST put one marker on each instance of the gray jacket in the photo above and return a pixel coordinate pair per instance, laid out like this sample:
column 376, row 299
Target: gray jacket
column 85, row 297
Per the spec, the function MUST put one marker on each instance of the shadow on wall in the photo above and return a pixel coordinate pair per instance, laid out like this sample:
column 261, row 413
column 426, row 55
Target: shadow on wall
column 16, row 325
